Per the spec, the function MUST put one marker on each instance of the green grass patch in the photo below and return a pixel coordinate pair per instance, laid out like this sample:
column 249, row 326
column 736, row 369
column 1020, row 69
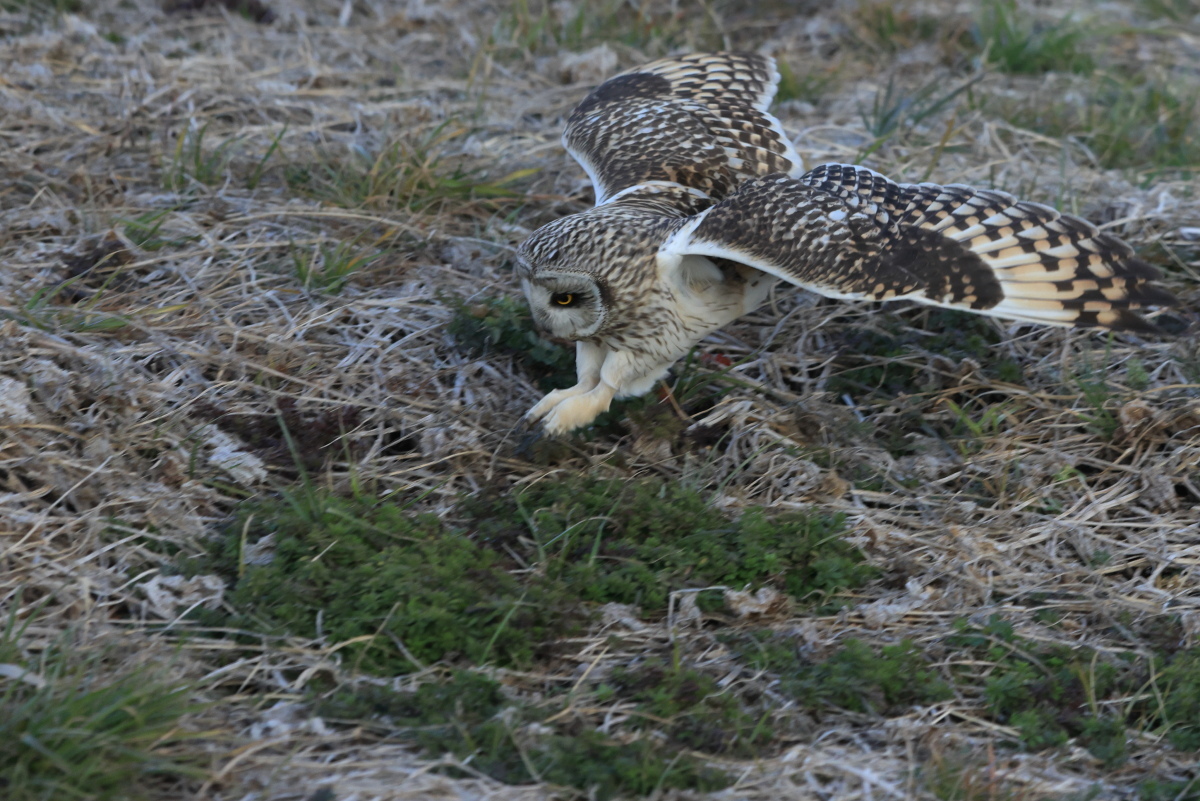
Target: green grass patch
column 77, row 723
column 1014, row 42
column 326, row 268
column 399, row 588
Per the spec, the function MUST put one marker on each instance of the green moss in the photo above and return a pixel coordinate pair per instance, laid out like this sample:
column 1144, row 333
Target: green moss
column 468, row 716
column 691, row 709
column 382, row 577
column 505, row 326
column 855, row 677
column 398, row 586
column 1052, row 693
column 637, row 541
column 1180, row 679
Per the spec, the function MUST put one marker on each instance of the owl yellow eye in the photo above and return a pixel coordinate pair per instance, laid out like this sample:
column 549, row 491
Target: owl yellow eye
column 563, row 298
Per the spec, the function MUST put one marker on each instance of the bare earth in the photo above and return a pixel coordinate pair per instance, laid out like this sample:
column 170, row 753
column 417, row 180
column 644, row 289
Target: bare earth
column 138, row 143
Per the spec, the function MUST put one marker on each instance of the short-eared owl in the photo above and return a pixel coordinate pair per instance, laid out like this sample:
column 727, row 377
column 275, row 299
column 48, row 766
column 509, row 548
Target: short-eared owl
column 702, row 205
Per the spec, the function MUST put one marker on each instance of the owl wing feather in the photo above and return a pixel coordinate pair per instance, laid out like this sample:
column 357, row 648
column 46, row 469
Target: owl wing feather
column 848, row 232
column 700, row 121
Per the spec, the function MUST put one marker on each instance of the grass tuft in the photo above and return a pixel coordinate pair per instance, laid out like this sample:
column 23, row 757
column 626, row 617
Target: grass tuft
column 889, row 27
column 76, row 723
column 1151, row 126
column 540, row 27
column 1015, row 43
column 417, row 174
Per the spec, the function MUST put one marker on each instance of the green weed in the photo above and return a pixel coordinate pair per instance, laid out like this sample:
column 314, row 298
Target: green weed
column 895, row 112
column 1097, row 394
column 1007, row 37
column 1180, row 680
column 973, row 435
column 144, row 230
column 75, row 723
column 1136, row 376
column 41, row 312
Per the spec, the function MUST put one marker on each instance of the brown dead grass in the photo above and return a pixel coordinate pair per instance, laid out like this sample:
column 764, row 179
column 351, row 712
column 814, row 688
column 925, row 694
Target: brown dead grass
column 127, row 404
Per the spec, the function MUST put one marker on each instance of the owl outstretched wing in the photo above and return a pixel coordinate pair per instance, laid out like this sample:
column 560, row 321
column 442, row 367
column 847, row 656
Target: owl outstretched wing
column 848, row 232
column 699, row 121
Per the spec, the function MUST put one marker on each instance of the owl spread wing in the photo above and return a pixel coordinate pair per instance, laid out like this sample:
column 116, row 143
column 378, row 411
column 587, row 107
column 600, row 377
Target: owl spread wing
column 699, row 121
column 848, row 232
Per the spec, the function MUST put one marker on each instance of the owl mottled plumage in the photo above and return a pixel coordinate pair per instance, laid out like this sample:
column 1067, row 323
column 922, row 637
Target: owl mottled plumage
column 702, row 206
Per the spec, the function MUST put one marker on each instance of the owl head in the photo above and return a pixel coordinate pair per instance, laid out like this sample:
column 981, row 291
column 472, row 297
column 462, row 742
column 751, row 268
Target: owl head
column 565, row 303
column 566, row 271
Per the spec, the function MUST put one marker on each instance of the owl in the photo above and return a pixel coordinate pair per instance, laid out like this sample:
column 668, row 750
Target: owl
column 703, row 206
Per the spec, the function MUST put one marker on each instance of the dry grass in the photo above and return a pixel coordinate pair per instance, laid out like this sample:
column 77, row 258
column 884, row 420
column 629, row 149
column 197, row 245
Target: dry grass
column 209, row 223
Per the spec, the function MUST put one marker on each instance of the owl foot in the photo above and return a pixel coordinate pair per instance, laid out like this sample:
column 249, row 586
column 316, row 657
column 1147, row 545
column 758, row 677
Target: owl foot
column 567, row 409
column 546, row 404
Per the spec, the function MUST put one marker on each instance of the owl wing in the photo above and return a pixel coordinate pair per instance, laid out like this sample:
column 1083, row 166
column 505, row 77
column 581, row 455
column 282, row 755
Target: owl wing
column 848, row 232
column 699, row 121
